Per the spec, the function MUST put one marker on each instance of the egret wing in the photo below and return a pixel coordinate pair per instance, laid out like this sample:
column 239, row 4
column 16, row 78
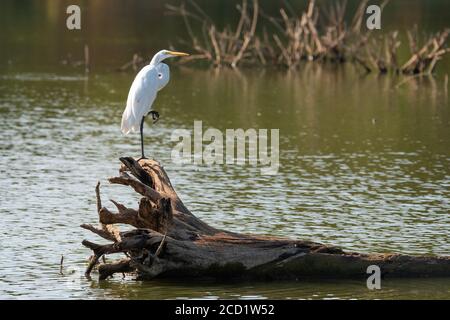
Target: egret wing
column 142, row 94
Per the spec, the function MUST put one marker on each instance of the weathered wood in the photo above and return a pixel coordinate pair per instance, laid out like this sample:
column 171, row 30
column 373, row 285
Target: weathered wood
column 108, row 269
column 109, row 230
column 169, row 241
column 100, row 232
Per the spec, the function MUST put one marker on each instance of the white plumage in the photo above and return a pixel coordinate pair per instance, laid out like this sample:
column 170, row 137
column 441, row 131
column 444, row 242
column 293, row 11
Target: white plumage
column 144, row 90
column 142, row 94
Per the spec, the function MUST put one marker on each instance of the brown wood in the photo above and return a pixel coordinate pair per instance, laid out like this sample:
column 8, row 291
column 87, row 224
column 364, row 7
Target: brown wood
column 169, row 241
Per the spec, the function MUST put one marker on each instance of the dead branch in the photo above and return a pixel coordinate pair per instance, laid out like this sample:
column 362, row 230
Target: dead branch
column 317, row 34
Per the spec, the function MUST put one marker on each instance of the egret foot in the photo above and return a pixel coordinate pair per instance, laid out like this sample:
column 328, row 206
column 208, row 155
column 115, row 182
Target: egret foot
column 155, row 116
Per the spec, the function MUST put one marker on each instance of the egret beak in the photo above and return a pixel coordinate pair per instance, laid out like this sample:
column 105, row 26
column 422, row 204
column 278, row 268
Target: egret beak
column 178, row 54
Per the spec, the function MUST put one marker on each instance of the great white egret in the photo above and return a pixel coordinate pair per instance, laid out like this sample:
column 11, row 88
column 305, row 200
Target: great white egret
column 152, row 78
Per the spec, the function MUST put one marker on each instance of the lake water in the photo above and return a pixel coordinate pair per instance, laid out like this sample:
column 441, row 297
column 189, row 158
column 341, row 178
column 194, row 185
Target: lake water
column 364, row 164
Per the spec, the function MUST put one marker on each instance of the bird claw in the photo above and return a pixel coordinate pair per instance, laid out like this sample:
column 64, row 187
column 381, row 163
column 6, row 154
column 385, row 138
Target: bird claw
column 155, row 116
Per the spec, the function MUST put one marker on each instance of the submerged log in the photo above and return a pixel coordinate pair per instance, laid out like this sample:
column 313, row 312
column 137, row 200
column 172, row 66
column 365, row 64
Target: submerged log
column 169, row 241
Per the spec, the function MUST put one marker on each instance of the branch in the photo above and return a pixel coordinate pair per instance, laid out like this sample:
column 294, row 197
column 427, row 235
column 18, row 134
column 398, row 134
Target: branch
column 108, row 230
column 138, row 186
column 130, row 217
column 136, row 170
column 248, row 36
column 108, row 269
column 100, row 232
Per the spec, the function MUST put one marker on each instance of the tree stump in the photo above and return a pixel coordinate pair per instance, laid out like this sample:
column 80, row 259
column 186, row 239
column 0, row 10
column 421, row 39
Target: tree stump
column 169, row 241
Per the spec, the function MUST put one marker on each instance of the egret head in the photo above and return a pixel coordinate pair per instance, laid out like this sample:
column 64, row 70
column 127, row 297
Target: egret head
column 164, row 54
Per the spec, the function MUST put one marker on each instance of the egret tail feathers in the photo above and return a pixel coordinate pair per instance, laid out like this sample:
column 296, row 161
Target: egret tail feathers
column 129, row 123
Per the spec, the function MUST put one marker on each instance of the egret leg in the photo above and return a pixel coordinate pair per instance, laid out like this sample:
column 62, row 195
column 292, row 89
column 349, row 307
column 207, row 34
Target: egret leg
column 142, row 139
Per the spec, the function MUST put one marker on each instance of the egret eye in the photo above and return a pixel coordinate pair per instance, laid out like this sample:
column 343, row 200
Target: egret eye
column 160, row 75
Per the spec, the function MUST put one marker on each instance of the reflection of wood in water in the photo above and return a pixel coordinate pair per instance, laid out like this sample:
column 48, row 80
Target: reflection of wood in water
column 77, row 63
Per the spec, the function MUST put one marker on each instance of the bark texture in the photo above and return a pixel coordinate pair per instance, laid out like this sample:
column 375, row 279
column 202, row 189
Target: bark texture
column 169, row 241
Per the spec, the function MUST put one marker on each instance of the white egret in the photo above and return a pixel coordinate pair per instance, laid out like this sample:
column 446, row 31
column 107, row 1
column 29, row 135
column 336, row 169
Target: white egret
column 152, row 78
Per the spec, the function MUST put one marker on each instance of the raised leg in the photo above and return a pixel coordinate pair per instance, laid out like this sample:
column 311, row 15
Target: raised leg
column 155, row 116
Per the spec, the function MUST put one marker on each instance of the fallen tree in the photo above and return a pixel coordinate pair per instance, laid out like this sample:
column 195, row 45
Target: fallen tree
column 169, row 241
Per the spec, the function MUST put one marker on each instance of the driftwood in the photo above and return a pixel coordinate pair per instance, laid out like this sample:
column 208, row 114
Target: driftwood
column 169, row 241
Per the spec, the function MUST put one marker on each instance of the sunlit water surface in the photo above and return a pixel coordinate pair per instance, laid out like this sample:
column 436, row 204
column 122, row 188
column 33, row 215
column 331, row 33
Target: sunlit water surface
column 363, row 165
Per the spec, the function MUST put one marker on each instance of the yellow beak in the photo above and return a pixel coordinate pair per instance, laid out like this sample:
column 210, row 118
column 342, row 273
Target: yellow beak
column 178, row 54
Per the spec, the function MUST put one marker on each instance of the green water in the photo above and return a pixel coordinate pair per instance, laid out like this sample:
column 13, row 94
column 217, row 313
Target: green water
column 364, row 161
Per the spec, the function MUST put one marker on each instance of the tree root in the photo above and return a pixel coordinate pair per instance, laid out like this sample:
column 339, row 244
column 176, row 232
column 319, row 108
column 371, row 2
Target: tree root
column 169, row 241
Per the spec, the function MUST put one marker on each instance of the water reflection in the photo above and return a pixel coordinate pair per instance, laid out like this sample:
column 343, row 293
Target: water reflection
column 326, row 289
